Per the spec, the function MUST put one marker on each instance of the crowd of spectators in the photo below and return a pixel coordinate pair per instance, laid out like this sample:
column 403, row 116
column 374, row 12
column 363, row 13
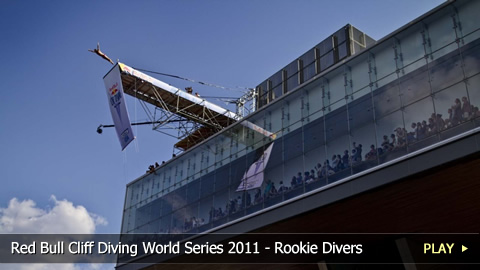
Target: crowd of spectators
column 461, row 111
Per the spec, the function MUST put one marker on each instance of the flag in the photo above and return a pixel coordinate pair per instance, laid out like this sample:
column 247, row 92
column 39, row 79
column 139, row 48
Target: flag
column 118, row 108
column 253, row 177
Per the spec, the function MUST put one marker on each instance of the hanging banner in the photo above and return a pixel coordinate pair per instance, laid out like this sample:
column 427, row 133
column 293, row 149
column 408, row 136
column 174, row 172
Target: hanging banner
column 253, row 178
column 118, row 107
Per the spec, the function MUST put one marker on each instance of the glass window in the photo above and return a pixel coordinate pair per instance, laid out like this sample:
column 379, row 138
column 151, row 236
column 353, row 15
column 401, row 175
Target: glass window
column 337, row 138
column 342, row 50
column 386, row 127
column 411, row 47
column 414, row 86
column 325, row 46
column 468, row 13
column 292, row 82
column 445, row 72
column 193, row 191
column 180, row 197
column 386, row 100
column 471, row 58
column 220, row 202
column 314, row 132
column 473, row 85
column 237, row 170
column 441, row 32
column 341, row 35
column 326, row 61
column 205, row 210
column 449, row 104
column 222, row 177
column 291, row 69
column 336, row 85
column 423, row 115
column 314, row 160
column 277, row 91
column 207, row 184
column 277, row 79
column 308, row 65
column 384, row 59
column 293, row 144
column 191, row 217
column 362, row 132
column 309, row 71
column 294, row 167
column 315, row 99
column 165, row 223
column 273, row 117
column 359, row 73
column 168, row 202
column 294, row 106
column 178, row 221
column 274, row 172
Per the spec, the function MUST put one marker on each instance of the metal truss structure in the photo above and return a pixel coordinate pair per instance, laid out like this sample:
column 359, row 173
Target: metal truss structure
column 175, row 112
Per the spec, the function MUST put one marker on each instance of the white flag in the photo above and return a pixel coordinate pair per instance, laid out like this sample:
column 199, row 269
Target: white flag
column 253, row 178
column 118, row 108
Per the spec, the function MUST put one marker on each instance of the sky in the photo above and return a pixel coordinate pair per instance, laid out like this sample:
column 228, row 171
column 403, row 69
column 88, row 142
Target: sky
column 53, row 96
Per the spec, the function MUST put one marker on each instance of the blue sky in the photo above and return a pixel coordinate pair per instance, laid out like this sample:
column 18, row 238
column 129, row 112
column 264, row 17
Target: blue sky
column 53, row 97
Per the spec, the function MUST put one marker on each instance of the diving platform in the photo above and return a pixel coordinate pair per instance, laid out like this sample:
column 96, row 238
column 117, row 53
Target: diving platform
column 176, row 105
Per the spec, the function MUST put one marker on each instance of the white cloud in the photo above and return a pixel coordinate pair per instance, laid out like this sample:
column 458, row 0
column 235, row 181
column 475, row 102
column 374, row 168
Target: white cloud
column 62, row 218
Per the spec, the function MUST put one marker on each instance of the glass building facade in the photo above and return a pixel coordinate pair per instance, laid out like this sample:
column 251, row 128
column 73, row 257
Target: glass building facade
column 413, row 89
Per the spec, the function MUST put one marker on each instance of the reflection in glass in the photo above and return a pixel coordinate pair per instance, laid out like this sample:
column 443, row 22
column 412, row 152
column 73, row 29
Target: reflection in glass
column 414, row 86
column 422, row 123
column 386, row 100
column 473, row 85
column 451, row 103
column 445, row 72
column 387, row 136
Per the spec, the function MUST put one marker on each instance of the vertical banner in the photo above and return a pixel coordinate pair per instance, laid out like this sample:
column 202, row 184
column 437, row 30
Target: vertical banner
column 118, row 108
column 253, row 178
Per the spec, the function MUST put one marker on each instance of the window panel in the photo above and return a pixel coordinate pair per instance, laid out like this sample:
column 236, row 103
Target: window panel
column 361, row 124
column 336, row 85
column 293, row 144
column 386, row 100
column 220, row 201
column 222, row 177
column 384, row 59
column 414, row 86
column 422, row 113
column 207, row 184
column 386, row 127
column 342, row 51
column 325, row 46
column 314, row 133
column 277, row 91
column 441, row 32
column 294, row 106
column 205, row 210
column 449, row 104
column 445, row 72
column 468, row 14
column 359, row 73
column 411, row 45
column 326, row 61
column 473, row 85
column 315, row 100
column 337, row 138
column 471, row 58
column 193, row 191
